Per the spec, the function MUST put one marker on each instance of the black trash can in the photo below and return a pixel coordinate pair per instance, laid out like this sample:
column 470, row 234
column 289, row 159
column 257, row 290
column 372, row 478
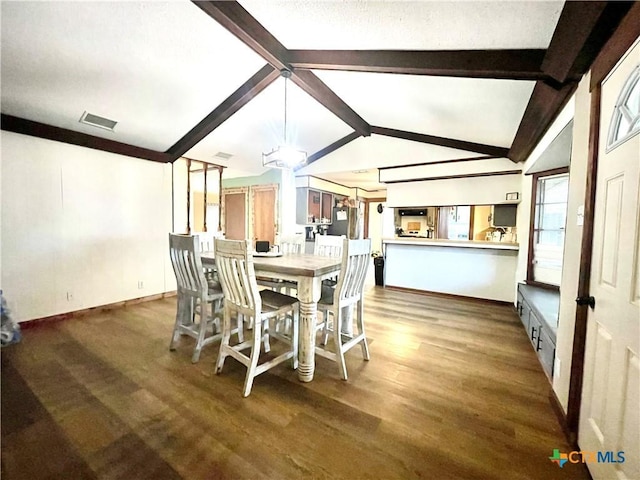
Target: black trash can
column 378, row 263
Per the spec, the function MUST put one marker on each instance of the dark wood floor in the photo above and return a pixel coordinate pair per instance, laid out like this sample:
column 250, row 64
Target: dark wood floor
column 453, row 391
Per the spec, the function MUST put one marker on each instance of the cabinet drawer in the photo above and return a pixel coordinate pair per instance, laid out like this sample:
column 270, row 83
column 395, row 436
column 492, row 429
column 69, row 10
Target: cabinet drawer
column 546, row 352
column 523, row 311
column 534, row 330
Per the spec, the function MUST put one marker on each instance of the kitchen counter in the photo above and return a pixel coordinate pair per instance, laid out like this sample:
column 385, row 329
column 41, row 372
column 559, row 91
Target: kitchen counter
column 477, row 269
column 452, row 243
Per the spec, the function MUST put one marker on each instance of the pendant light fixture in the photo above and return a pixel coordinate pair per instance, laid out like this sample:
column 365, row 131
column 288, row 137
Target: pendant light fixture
column 284, row 156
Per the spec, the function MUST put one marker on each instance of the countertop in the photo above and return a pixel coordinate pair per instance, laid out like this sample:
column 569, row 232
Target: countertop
column 452, row 243
column 546, row 304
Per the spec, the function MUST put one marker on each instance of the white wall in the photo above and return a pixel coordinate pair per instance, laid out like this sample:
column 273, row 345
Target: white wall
column 80, row 227
column 288, row 204
column 488, row 165
column 573, row 240
column 455, row 191
column 526, row 187
column 375, row 225
column 180, row 174
column 470, row 272
column 577, row 109
column 1, row 296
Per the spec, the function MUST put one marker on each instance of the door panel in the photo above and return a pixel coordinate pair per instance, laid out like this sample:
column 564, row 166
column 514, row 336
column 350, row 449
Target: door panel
column 612, row 205
column 610, row 395
column 264, row 215
column 629, row 419
column 235, row 216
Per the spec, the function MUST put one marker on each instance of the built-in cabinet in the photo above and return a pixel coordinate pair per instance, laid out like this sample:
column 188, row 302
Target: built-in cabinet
column 313, row 207
column 538, row 311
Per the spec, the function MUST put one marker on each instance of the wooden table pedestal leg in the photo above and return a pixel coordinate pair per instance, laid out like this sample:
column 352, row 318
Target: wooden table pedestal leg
column 308, row 294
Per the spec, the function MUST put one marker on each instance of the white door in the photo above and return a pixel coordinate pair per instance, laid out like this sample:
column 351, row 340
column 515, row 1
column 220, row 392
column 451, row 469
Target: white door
column 611, row 392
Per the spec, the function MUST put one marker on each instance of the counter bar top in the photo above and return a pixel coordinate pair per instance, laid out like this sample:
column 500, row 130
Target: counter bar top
column 452, row 243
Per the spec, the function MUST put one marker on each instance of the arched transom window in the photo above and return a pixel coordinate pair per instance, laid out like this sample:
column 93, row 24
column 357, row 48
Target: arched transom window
column 626, row 117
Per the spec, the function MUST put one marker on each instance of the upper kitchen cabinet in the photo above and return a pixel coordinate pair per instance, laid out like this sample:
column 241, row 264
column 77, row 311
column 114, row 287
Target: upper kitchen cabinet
column 313, row 207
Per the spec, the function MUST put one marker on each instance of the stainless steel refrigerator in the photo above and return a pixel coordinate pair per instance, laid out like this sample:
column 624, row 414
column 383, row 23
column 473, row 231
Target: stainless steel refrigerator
column 345, row 221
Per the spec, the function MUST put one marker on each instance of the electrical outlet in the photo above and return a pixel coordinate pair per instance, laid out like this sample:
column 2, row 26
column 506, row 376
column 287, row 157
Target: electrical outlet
column 556, row 368
column 140, row 284
column 69, row 297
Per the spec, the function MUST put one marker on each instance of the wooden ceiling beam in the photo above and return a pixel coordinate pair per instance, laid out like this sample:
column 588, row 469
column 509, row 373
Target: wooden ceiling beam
column 501, row 64
column 233, row 17
column 252, row 87
column 544, row 105
column 237, row 20
column 582, row 30
column 442, row 142
column 315, row 87
column 57, row 134
column 624, row 37
column 328, row 149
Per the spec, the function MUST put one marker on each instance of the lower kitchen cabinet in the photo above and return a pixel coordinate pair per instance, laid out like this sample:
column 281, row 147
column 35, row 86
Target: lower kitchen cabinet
column 546, row 352
column 538, row 311
column 523, row 311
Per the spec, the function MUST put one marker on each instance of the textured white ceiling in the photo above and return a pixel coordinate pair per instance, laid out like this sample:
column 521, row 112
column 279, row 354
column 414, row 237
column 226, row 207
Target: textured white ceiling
column 158, row 68
column 259, row 127
column 476, row 110
column 410, row 25
column 370, row 153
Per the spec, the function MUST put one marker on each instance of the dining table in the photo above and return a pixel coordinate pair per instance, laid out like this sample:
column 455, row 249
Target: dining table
column 308, row 271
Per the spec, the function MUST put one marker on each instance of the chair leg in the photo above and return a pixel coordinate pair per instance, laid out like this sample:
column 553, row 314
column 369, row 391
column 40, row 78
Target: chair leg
column 224, row 344
column 240, row 326
column 325, row 329
column 176, row 327
column 202, row 330
column 337, row 336
column 215, row 308
column 360, row 325
column 265, row 336
column 253, row 361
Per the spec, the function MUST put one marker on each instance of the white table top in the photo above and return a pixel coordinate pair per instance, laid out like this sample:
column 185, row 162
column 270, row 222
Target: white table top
column 301, row 264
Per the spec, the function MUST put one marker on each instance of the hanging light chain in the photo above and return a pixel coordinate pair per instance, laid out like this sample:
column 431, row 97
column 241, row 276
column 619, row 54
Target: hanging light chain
column 286, row 74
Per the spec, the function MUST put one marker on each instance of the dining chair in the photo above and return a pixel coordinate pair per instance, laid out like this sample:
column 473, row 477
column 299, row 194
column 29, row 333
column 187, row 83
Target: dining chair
column 243, row 298
column 206, row 245
column 328, row 245
column 289, row 245
column 196, row 296
column 348, row 292
column 292, row 244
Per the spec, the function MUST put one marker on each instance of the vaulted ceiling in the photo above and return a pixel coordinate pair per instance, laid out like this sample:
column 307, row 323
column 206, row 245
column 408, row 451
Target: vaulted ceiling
column 374, row 83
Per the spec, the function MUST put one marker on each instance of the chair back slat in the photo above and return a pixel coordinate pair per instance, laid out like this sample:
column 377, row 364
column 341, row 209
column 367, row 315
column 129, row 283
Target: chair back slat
column 206, row 240
column 184, row 251
column 237, row 276
column 291, row 245
column 356, row 256
column 328, row 245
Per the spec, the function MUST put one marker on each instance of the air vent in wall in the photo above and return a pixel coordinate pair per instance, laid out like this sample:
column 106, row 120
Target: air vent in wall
column 223, row 155
column 97, row 121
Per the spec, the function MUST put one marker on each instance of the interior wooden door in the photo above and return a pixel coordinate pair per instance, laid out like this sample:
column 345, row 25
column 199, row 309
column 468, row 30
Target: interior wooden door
column 611, row 389
column 264, row 214
column 235, row 216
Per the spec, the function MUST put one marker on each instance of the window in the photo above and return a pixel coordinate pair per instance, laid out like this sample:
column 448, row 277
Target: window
column 549, row 220
column 626, row 117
